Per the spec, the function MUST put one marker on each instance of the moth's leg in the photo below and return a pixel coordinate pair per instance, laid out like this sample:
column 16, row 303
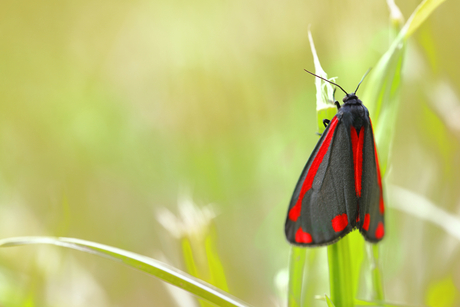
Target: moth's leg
column 337, row 104
column 335, row 101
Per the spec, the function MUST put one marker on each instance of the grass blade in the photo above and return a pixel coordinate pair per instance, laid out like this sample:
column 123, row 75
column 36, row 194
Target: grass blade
column 146, row 264
column 383, row 100
column 362, row 303
column 296, row 269
column 329, row 302
column 325, row 107
column 377, row 280
column 404, row 200
column 421, row 13
column 340, row 273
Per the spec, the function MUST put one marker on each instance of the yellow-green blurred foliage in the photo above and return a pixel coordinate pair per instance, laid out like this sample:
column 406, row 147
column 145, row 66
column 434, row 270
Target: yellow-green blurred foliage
column 441, row 293
column 110, row 109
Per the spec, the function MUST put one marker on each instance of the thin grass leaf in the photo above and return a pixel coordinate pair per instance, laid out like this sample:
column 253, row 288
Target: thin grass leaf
column 340, row 273
column 377, row 274
column 312, row 275
column 296, row 269
column 421, row 13
column 329, row 302
column 216, row 268
column 404, row 200
column 382, row 70
column 191, row 266
column 325, row 107
column 357, row 248
column 148, row 265
column 362, row 303
column 365, row 303
column 383, row 100
column 188, row 257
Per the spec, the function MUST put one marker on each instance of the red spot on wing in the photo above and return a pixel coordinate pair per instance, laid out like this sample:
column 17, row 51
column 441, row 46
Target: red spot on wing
column 367, row 220
column 340, row 222
column 380, row 231
column 294, row 213
column 302, row 236
column 357, row 142
column 379, row 178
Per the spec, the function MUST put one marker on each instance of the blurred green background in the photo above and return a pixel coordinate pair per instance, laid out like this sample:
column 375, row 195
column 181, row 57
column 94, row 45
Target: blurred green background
column 111, row 111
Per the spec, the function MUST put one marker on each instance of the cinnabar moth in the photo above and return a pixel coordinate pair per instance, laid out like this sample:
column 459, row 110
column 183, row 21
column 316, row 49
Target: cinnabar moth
column 340, row 187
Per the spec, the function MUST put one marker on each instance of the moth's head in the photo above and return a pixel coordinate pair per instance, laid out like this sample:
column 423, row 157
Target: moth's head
column 351, row 98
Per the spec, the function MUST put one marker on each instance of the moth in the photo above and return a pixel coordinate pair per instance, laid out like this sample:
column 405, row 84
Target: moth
column 340, row 187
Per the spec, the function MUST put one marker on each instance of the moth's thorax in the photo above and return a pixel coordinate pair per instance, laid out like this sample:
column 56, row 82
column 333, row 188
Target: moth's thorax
column 351, row 99
column 353, row 112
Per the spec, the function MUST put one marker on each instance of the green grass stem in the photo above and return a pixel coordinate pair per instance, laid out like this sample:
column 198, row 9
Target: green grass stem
column 296, row 270
column 340, row 273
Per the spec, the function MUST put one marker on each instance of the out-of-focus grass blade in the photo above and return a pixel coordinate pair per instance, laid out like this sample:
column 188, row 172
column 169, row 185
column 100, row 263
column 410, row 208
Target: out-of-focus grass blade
column 151, row 266
column 340, row 273
column 188, row 257
column 329, row 302
column 381, row 98
column 377, row 80
column 360, row 303
column 405, row 200
column 191, row 266
column 296, row 269
column 377, row 274
column 216, row 268
column 421, row 13
column 312, row 275
column 442, row 293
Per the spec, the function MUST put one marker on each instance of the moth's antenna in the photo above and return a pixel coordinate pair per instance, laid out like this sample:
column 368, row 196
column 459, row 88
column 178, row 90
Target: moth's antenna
column 329, row 81
column 363, row 79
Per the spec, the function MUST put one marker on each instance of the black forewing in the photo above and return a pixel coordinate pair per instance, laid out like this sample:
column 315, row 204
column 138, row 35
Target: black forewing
column 371, row 193
column 332, row 193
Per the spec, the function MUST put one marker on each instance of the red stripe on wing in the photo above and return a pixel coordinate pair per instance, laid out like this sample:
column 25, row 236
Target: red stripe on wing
column 294, row 213
column 357, row 142
column 379, row 178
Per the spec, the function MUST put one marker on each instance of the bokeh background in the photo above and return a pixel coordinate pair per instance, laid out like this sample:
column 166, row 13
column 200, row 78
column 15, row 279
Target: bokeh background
column 113, row 111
